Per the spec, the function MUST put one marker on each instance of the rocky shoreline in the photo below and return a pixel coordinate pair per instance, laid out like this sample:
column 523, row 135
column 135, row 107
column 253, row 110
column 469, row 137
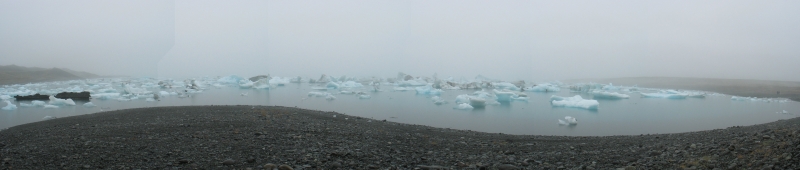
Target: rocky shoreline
column 266, row 137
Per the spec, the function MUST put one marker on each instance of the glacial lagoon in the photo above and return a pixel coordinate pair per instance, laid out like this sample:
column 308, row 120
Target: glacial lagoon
column 535, row 116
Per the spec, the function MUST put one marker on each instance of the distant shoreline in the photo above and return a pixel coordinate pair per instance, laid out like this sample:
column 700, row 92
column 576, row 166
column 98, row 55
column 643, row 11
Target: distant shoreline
column 736, row 87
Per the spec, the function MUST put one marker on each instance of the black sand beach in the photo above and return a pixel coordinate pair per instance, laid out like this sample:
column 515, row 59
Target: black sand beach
column 259, row 137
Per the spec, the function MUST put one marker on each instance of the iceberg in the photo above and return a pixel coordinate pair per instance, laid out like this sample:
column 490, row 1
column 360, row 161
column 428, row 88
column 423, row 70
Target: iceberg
column 246, row 84
column 48, row 117
column 105, row 96
column 364, row 96
column 232, row 79
column 665, row 94
column 330, row 97
column 477, row 102
column 89, row 104
column 50, row 106
column 351, row 84
column 38, row 103
column 279, row 81
column 57, row 101
column 463, row 106
column 402, row 88
column 505, row 85
column 568, row 120
column 463, row 98
column 318, row 94
column 504, row 96
column 576, row 102
column 756, row 99
column 26, row 105
column 332, row 85
column 406, row 83
column 9, row 106
column 5, row 97
column 428, row 90
column 262, row 84
column 598, row 94
column 544, row 87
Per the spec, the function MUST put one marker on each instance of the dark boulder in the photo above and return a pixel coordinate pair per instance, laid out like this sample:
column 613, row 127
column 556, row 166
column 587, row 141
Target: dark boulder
column 36, row 96
column 259, row 77
column 72, row 95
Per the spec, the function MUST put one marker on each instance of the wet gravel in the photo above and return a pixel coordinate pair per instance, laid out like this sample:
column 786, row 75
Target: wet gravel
column 268, row 137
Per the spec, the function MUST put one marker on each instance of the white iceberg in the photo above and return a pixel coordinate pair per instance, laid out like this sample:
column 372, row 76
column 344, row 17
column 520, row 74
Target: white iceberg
column 279, row 81
column 332, row 85
column 598, row 94
column 568, row 120
column 402, row 88
column 576, row 102
column 26, row 104
column 544, row 87
column 38, row 103
column 232, row 79
column 504, row 96
column 5, row 97
column 756, row 99
column 477, row 102
column 411, row 83
column 89, row 104
column 364, row 96
column 105, row 96
column 350, row 84
column 57, row 101
column 262, row 84
column 330, row 97
column 318, row 94
column 428, row 90
column 463, row 106
column 665, row 94
column 246, row 84
column 50, row 106
column 9, row 106
column 505, row 85
column 463, row 98
column 48, row 117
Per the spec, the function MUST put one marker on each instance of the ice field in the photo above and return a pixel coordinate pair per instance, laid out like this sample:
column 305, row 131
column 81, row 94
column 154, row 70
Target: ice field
column 512, row 107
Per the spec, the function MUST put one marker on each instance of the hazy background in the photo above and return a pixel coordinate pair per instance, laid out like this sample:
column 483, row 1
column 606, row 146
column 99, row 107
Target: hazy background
column 531, row 40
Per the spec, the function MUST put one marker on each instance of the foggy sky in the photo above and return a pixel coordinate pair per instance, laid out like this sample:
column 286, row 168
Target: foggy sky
column 510, row 40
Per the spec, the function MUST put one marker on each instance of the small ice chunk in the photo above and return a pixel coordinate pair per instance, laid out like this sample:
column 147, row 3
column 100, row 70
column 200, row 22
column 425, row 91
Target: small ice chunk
column 463, row 106
column 438, row 100
column 232, row 79
column 150, row 99
column 505, row 85
column 50, row 106
column 26, row 104
column 463, row 98
column 89, row 104
column 599, row 94
column 477, row 102
column 332, row 85
column 576, row 101
column 568, row 120
column 57, row 101
column 364, row 96
column 279, row 81
column 105, row 96
column 318, row 94
column 402, row 88
column 9, row 106
column 330, row 97
column 262, row 84
column 544, row 87
column 351, row 84
column 38, row 103
column 246, row 84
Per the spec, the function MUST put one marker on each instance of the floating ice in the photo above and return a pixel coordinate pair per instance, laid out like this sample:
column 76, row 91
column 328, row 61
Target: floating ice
column 463, row 98
column 330, row 97
column 406, row 83
column 5, row 97
column 9, row 106
column 279, row 81
column 150, row 99
column 164, row 93
column 568, row 120
column 50, row 106
column 576, row 101
column 463, row 106
column 505, row 85
column 364, row 96
column 262, row 84
column 246, row 84
column 598, row 94
column 477, row 102
column 26, row 104
column 232, row 79
column 89, row 104
column 332, row 85
column 756, row 99
column 665, row 94
column 428, row 90
column 57, row 101
column 438, row 100
column 350, row 84
column 105, row 96
column 544, row 87
column 402, row 88
column 504, row 96
column 38, row 103
column 318, row 94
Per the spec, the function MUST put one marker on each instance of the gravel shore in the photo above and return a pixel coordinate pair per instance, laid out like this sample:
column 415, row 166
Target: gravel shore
column 267, row 137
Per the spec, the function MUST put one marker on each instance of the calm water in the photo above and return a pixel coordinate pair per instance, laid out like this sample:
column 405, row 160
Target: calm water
column 614, row 117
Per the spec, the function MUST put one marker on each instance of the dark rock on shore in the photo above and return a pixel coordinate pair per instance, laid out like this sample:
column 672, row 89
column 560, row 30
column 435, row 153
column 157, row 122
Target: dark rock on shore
column 222, row 137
